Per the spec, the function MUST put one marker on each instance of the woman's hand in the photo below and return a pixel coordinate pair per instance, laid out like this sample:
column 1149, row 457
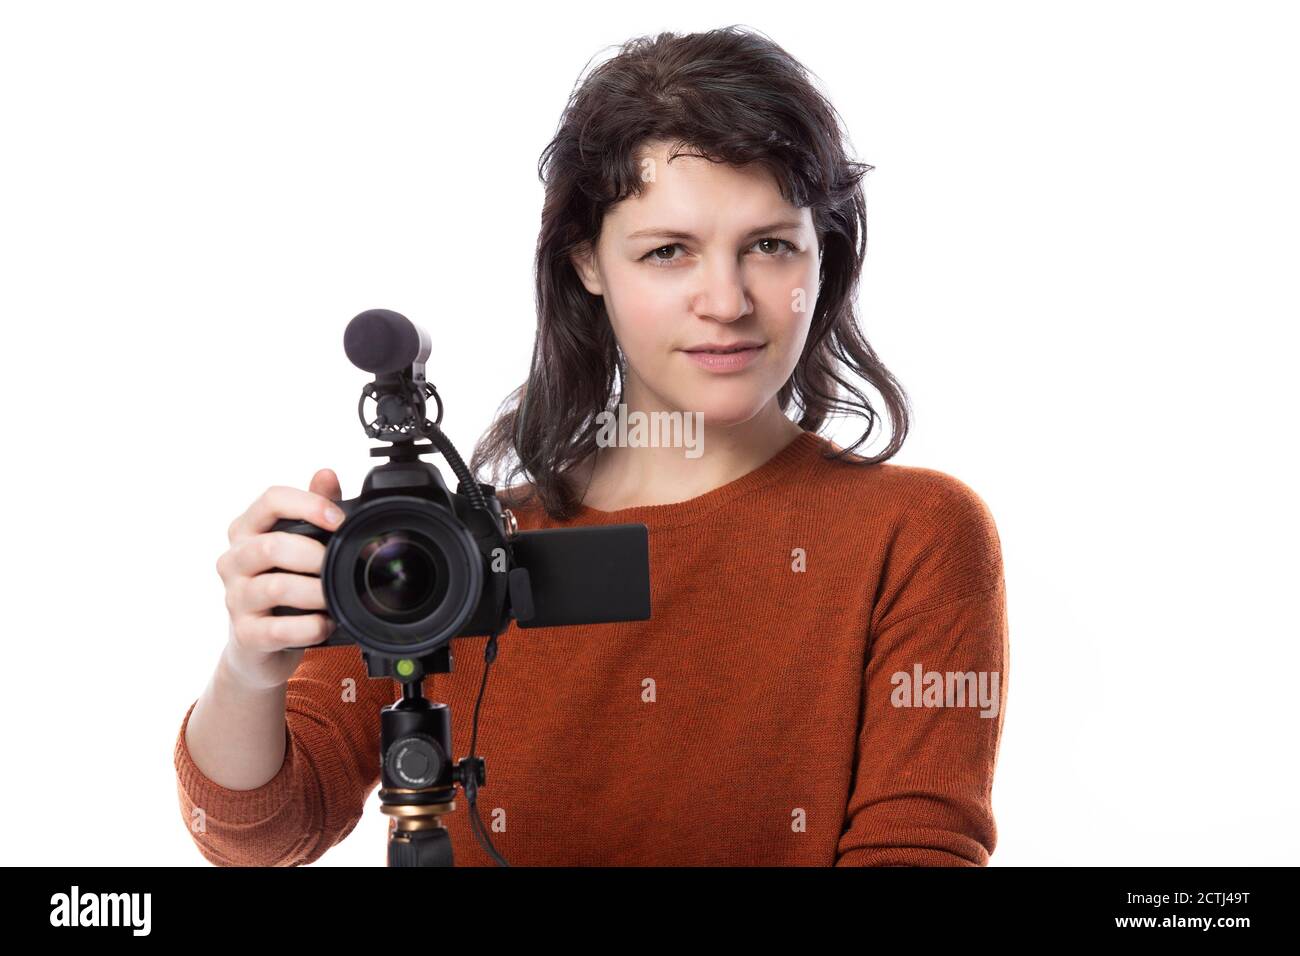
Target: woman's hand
column 264, row 650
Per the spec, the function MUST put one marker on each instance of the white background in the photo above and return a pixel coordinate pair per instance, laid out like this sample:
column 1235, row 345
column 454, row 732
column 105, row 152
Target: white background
column 1081, row 265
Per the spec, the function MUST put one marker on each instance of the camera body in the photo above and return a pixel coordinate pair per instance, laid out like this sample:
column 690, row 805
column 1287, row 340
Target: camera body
column 413, row 565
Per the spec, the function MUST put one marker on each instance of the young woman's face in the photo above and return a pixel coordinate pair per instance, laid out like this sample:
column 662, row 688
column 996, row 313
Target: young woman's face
column 707, row 255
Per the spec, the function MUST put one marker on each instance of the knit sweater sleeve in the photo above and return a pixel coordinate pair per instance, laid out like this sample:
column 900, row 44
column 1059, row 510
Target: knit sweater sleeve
column 934, row 691
column 331, row 764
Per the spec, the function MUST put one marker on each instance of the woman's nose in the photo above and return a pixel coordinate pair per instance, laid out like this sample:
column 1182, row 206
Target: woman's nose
column 721, row 293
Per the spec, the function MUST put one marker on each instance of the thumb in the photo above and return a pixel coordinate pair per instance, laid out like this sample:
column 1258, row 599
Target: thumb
column 326, row 483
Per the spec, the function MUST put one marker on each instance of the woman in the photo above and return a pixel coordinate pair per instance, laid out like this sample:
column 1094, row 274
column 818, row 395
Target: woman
column 822, row 679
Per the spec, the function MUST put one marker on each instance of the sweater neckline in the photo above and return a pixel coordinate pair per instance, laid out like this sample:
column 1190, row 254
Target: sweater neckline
column 783, row 464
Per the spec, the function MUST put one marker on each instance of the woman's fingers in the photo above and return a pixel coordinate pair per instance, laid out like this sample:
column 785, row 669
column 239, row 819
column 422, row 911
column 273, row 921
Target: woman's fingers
column 281, row 501
column 266, row 591
column 267, row 633
column 273, row 549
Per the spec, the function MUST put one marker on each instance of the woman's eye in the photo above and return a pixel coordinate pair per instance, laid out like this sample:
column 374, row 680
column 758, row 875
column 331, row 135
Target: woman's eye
column 653, row 254
column 780, row 243
column 654, row 257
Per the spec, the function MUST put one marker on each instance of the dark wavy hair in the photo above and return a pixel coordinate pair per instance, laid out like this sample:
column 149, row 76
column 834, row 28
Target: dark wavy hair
column 727, row 95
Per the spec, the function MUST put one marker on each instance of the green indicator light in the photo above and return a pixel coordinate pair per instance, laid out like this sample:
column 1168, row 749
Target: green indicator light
column 406, row 667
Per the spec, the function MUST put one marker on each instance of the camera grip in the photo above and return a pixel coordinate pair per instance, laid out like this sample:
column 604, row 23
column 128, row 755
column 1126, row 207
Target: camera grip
column 311, row 531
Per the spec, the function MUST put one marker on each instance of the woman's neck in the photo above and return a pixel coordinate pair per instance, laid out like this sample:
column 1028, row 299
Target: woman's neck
column 627, row 476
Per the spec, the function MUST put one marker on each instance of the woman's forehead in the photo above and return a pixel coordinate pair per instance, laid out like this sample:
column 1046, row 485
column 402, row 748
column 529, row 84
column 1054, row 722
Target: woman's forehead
column 708, row 200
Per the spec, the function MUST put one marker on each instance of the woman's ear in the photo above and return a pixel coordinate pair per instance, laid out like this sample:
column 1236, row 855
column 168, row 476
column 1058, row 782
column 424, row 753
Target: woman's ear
column 583, row 259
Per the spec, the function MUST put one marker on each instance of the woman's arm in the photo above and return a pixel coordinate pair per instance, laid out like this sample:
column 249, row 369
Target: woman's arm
column 235, row 733
column 921, row 793
column 330, row 721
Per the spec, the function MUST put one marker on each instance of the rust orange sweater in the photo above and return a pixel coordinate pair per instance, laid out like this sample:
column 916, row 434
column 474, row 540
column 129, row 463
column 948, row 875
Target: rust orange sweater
column 822, row 682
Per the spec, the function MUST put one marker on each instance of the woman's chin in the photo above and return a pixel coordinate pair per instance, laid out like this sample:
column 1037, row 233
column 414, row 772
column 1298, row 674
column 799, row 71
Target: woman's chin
column 720, row 413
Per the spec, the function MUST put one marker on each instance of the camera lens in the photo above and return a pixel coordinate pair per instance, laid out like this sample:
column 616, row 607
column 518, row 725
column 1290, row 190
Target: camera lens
column 401, row 576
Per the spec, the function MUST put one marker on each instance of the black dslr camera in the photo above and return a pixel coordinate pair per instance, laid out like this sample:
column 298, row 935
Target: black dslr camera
column 414, row 565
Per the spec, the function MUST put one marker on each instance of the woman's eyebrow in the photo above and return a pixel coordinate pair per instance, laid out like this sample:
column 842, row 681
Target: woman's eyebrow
column 677, row 234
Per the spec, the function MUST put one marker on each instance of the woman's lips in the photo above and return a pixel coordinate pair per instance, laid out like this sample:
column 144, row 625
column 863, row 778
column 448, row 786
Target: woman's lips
column 725, row 361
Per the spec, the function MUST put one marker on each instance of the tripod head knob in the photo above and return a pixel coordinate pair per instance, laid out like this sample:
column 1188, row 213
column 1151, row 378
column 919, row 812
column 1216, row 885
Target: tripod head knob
column 416, row 761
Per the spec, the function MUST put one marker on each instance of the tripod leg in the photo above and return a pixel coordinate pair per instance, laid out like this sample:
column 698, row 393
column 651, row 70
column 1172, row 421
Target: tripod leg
column 431, row 847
